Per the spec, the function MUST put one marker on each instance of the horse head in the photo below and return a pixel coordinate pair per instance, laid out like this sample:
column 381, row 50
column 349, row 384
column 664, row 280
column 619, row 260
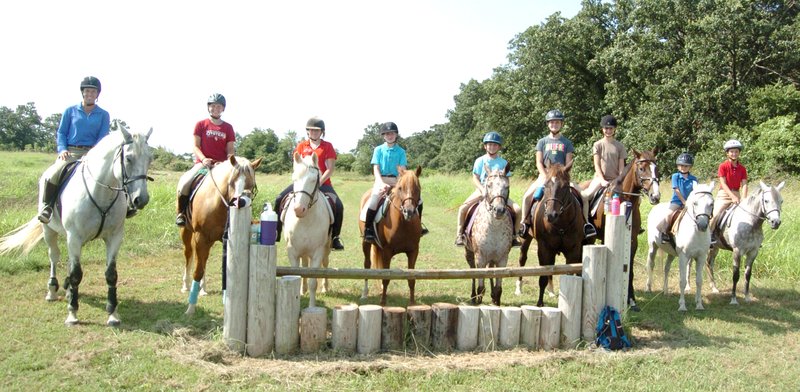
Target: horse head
column 305, row 179
column 557, row 193
column 135, row 159
column 408, row 191
column 645, row 170
column 242, row 178
column 772, row 202
column 700, row 205
column 495, row 190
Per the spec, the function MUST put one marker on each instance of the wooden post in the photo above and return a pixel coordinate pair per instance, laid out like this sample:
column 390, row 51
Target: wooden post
column 444, row 326
column 287, row 315
column 419, row 326
column 261, row 300
column 551, row 328
column 344, row 328
column 369, row 329
column 393, row 328
column 489, row 327
column 570, row 294
column 617, row 269
column 530, row 324
column 467, row 331
column 234, row 329
column 594, row 288
column 313, row 329
column 509, row 326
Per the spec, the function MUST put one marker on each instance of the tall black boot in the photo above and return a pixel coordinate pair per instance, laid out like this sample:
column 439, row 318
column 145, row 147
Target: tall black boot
column 183, row 202
column 419, row 211
column 49, row 199
column 369, row 226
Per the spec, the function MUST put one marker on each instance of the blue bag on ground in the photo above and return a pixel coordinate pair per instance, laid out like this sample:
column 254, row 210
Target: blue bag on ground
column 610, row 334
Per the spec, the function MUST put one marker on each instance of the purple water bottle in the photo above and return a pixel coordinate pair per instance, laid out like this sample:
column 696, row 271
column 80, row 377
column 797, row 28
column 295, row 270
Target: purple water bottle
column 269, row 225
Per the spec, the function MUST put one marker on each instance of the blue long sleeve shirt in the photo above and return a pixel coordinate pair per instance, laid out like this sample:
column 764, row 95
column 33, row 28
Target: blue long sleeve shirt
column 80, row 129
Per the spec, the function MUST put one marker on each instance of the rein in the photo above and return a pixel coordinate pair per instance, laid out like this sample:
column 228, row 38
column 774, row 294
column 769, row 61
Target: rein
column 225, row 202
column 763, row 207
column 313, row 194
column 695, row 216
column 641, row 180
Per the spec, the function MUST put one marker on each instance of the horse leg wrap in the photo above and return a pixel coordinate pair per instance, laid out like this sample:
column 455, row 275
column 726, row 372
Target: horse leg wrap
column 111, row 307
column 194, row 293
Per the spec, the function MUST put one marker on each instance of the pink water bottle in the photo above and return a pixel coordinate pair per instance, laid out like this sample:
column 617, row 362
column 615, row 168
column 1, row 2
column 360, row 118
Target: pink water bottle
column 615, row 205
column 269, row 225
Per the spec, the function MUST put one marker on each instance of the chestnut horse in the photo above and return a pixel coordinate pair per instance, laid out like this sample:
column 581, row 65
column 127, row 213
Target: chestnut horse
column 556, row 225
column 639, row 177
column 208, row 215
column 398, row 232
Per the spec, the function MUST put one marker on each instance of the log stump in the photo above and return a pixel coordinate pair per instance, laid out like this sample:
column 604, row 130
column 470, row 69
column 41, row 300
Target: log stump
column 369, row 329
column 313, row 329
column 489, row 327
column 419, row 327
column 550, row 332
column 444, row 326
column 344, row 328
column 530, row 324
column 393, row 328
column 467, row 331
column 509, row 326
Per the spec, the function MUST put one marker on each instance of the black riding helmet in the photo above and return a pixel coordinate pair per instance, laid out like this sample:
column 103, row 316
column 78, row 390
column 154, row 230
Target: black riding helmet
column 685, row 159
column 554, row 114
column 90, row 82
column 389, row 127
column 217, row 98
column 608, row 121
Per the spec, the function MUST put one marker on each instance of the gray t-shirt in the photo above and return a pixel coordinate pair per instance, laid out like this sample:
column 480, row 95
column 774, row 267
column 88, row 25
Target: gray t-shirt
column 554, row 150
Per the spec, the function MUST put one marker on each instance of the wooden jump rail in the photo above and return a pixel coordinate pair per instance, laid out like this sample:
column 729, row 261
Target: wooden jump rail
column 403, row 274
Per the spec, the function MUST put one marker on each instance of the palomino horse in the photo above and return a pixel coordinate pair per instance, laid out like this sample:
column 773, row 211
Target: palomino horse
column 308, row 222
column 92, row 205
column 743, row 233
column 556, row 225
column 639, row 177
column 490, row 236
column 208, row 216
column 398, row 232
column 692, row 240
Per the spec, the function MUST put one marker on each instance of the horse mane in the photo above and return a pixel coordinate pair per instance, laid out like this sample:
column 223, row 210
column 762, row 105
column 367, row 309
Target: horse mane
column 558, row 171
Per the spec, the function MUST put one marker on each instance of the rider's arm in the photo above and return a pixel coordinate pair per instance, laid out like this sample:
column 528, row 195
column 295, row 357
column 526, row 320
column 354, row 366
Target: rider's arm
column 569, row 161
column 230, row 149
column 743, row 189
column 680, row 196
column 198, row 152
column 477, row 182
column 540, row 162
column 331, row 165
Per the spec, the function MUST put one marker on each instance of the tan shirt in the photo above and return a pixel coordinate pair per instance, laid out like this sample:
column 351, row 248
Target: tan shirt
column 610, row 153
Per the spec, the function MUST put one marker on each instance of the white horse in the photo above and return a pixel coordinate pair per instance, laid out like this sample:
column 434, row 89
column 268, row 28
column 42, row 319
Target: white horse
column 489, row 241
column 92, row 205
column 691, row 241
column 744, row 233
column 307, row 222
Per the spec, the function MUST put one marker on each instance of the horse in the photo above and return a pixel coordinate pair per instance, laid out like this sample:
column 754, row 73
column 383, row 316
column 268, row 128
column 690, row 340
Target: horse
column 640, row 176
column 93, row 204
column 556, row 224
column 490, row 236
column 308, row 222
column 207, row 216
column 691, row 241
column 742, row 233
column 398, row 232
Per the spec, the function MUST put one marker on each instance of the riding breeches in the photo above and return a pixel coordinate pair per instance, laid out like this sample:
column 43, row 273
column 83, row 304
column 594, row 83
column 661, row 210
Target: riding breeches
column 185, row 182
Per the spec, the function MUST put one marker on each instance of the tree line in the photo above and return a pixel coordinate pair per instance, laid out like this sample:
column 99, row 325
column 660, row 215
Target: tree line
column 680, row 75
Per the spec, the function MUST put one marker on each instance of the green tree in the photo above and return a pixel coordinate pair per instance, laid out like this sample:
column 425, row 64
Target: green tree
column 22, row 129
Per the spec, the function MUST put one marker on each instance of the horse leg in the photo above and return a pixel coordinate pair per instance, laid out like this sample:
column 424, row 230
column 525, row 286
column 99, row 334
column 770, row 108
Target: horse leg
column 545, row 258
column 304, row 284
column 73, row 280
column 667, row 265
column 652, row 251
column 523, row 258
column 497, row 287
column 470, row 256
column 188, row 255
column 683, row 266
column 698, row 281
column 737, row 258
column 748, row 270
column 51, row 238
column 367, row 250
column 712, row 256
column 112, row 249
column 316, row 262
column 631, row 293
column 386, row 260
column 201, row 248
column 412, row 262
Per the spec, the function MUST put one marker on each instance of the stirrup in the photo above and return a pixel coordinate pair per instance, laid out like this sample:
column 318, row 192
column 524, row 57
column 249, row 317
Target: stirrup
column 180, row 220
column 515, row 243
column 46, row 214
column 523, row 228
column 369, row 235
column 460, row 240
column 589, row 231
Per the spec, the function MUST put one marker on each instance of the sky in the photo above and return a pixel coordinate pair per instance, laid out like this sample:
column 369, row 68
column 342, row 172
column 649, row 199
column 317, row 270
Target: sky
column 352, row 63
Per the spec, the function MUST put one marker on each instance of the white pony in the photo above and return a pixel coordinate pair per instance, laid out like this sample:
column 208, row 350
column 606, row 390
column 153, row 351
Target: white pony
column 692, row 240
column 307, row 222
column 744, row 234
column 92, row 204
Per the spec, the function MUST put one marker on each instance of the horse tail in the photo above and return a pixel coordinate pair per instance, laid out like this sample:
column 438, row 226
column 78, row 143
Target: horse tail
column 24, row 237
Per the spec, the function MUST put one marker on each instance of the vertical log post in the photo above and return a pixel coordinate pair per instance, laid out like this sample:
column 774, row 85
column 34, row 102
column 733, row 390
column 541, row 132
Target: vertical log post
column 287, row 315
column 551, row 328
column 594, row 288
column 530, row 324
column 570, row 294
column 313, row 329
column 419, row 327
column 509, row 326
column 261, row 300
column 467, row 333
column 344, row 328
column 369, row 329
column 617, row 269
column 234, row 329
column 489, row 327
column 393, row 330
column 444, row 326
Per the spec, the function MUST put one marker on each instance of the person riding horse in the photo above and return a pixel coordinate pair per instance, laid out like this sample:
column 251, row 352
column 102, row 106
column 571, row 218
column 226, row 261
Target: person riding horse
column 682, row 185
column 609, row 160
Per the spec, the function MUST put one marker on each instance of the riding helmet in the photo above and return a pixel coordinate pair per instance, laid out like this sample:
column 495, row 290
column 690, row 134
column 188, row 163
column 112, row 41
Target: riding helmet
column 217, row 98
column 608, row 121
column 685, row 159
column 90, row 82
column 389, row 127
column 554, row 114
column 315, row 123
column 492, row 137
column 733, row 143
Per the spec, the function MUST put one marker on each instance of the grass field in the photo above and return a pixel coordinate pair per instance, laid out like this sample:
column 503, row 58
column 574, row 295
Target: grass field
column 158, row 348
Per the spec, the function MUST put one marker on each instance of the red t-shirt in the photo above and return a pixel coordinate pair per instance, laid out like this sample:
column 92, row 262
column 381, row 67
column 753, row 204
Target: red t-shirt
column 733, row 174
column 324, row 151
column 213, row 139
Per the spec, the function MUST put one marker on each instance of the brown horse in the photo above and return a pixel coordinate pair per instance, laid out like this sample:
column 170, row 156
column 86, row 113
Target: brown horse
column 208, row 215
column 640, row 176
column 556, row 225
column 398, row 232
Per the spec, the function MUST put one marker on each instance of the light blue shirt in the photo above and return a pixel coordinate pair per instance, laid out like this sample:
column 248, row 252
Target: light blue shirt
column 80, row 129
column 388, row 158
column 496, row 163
column 684, row 185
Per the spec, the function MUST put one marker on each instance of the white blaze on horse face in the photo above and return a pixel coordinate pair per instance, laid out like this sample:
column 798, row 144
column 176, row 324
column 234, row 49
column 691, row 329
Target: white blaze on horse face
column 655, row 192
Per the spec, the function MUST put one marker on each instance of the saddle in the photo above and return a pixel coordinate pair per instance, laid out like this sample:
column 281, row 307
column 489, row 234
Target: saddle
column 674, row 220
column 470, row 218
column 596, row 201
column 63, row 176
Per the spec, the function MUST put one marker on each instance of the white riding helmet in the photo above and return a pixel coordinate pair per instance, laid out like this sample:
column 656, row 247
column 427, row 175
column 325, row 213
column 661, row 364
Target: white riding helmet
column 733, row 143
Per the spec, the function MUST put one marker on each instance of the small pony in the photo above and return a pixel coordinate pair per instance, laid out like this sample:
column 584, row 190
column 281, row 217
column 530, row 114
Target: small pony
column 742, row 232
column 307, row 222
column 692, row 240
column 556, row 224
column 92, row 204
column 207, row 216
column 491, row 234
column 398, row 232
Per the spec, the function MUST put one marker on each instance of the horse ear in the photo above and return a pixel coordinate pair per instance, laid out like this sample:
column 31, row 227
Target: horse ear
column 780, row 186
column 125, row 135
column 297, row 158
column 400, row 170
column 655, row 150
column 232, row 159
column 764, row 186
column 147, row 137
column 419, row 170
column 255, row 164
column 315, row 159
column 507, row 169
column 635, row 153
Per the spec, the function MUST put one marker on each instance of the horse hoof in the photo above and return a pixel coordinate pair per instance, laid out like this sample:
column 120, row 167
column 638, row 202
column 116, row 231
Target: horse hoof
column 715, row 290
column 682, row 309
column 748, row 299
column 190, row 311
column 635, row 308
column 71, row 321
column 202, row 293
column 699, row 307
column 734, row 301
column 184, row 290
column 51, row 297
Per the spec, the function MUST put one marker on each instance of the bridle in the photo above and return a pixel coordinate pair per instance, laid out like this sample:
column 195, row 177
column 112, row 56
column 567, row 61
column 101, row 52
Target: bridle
column 640, row 180
column 563, row 204
column 763, row 215
column 229, row 204
column 487, row 199
column 313, row 194
column 694, row 216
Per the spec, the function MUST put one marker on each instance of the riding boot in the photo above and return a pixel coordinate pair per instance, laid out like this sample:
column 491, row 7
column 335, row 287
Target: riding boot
column 183, row 202
column 48, row 199
column 419, row 210
column 336, row 243
column 369, row 226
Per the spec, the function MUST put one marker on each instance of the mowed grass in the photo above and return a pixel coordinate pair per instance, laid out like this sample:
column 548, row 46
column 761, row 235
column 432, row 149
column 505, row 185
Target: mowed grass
column 158, row 348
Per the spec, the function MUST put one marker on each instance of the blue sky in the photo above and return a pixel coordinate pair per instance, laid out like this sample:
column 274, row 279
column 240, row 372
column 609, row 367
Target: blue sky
column 352, row 63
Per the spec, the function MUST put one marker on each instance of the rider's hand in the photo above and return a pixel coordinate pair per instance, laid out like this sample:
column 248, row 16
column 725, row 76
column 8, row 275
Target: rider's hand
column 208, row 162
column 64, row 155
